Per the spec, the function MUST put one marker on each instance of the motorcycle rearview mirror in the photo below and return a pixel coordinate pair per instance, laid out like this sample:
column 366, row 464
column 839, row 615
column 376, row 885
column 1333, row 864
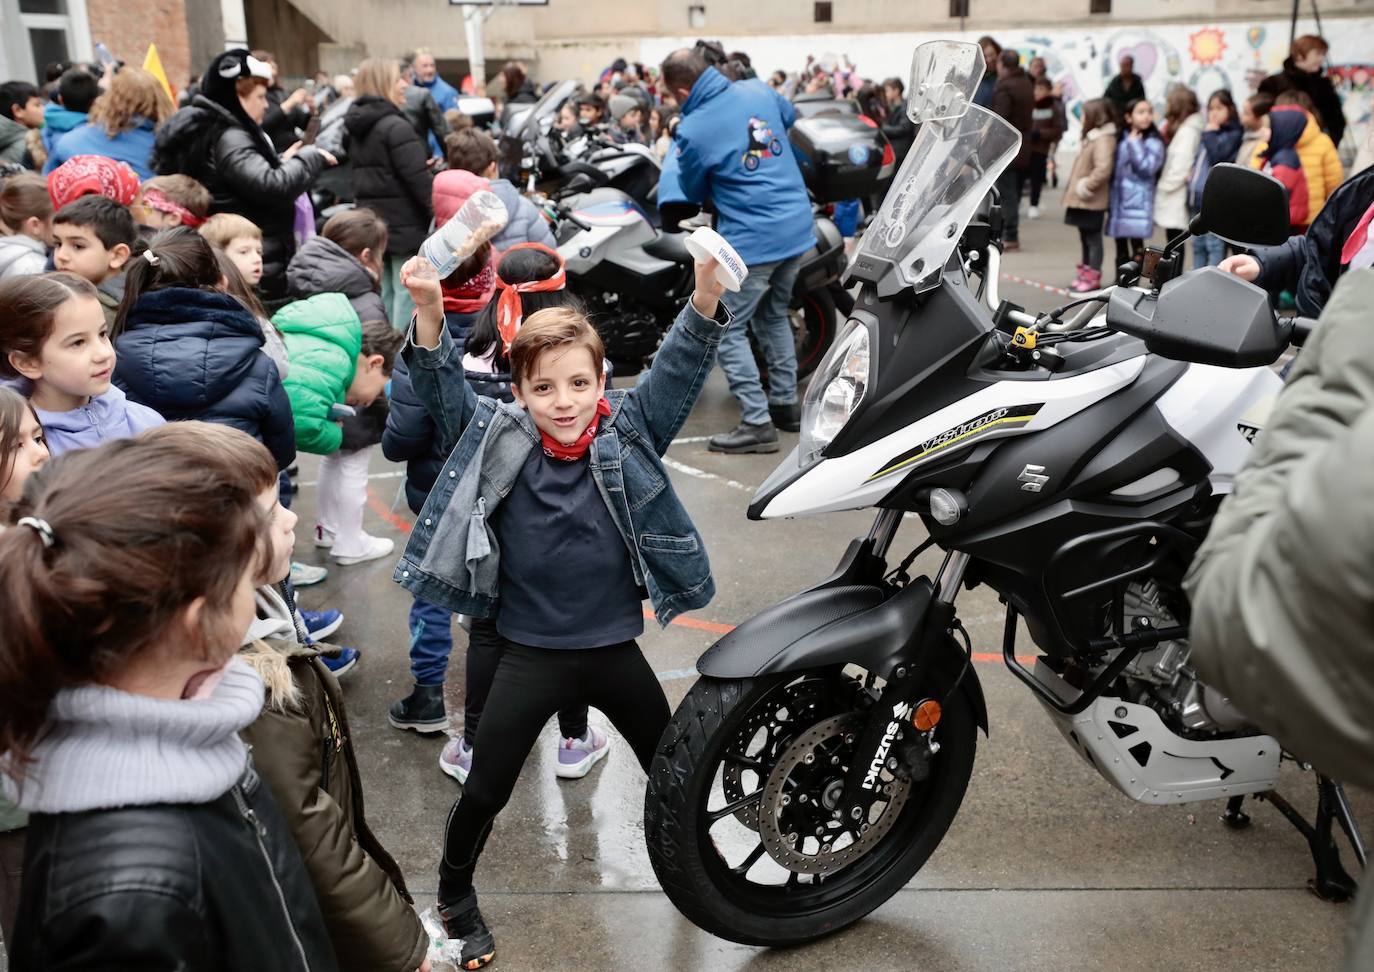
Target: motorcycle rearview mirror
column 1243, row 206
column 944, row 77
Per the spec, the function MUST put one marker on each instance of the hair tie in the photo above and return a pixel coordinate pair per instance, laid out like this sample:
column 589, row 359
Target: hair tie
column 152, row 258
column 42, row 527
column 509, row 311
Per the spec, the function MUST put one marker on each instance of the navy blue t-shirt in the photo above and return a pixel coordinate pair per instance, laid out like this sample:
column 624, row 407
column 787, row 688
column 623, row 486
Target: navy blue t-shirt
column 566, row 579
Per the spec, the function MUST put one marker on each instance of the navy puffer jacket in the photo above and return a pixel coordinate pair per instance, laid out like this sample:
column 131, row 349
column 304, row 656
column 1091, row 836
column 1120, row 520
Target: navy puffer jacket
column 197, row 354
column 411, row 435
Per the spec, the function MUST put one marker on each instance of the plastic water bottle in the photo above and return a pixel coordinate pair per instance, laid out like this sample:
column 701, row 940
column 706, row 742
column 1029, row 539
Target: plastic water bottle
column 479, row 219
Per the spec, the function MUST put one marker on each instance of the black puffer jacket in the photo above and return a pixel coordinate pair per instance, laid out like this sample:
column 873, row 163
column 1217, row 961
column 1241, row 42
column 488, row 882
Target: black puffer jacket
column 389, row 171
column 210, row 887
column 244, row 175
column 1316, row 86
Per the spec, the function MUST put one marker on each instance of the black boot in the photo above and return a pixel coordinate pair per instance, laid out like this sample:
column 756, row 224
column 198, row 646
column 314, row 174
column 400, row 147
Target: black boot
column 746, row 438
column 786, row 417
column 421, row 710
column 463, row 920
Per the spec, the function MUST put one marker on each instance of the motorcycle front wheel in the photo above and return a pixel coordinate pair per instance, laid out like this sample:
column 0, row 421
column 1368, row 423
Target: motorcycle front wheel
column 738, row 813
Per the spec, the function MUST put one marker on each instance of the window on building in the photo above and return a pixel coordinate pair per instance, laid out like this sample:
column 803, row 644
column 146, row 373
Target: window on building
column 824, row 11
column 55, row 30
column 696, row 17
column 958, row 8
column 1099, row 6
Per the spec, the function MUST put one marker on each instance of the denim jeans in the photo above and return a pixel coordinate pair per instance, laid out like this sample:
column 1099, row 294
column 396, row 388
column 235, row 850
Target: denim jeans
column 431, row 642
column 760, row 306
column 1208, row 251
column 396, row 298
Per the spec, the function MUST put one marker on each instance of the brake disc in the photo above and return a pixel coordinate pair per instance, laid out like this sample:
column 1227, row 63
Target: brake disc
column 796, row 814
column 796, row 699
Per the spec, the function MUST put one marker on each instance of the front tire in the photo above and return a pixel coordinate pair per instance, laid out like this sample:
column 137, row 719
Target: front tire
column 690, row 851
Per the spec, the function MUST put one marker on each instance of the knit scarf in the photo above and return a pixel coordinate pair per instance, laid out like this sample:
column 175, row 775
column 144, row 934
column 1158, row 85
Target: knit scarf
column 105, row 748
column 571, row 453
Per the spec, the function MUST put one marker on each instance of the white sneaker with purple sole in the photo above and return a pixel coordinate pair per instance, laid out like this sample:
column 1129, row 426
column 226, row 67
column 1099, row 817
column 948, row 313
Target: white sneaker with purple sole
column 576, row 757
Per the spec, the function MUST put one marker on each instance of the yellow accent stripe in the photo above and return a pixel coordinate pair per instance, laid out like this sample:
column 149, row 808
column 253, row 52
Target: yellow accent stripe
column 1010, row 419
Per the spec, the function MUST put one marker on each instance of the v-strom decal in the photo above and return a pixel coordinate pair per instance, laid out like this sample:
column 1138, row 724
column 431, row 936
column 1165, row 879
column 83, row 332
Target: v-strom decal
column 999, row 419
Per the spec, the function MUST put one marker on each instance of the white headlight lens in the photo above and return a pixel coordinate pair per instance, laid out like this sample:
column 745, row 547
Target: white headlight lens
column 836, row 391
column 946, row 506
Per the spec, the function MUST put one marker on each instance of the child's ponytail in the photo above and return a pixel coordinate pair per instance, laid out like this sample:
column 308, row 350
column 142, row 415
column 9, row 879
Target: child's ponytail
column 177, row 257
column 99, row 561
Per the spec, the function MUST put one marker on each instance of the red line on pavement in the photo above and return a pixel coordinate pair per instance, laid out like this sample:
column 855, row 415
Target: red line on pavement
column 1034, row 283
column 683, row 621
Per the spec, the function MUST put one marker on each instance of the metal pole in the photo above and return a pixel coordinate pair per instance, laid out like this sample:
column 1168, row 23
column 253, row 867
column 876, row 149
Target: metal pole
column 473, row 17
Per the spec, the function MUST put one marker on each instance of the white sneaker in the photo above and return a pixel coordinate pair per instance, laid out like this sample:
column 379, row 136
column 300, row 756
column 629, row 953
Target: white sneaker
column 576, row 757
column 324, row 537
column 373, row 548
column 1034, row 213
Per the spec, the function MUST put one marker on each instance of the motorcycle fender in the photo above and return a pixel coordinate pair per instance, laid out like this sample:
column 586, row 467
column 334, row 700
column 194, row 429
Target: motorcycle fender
column 839, row 625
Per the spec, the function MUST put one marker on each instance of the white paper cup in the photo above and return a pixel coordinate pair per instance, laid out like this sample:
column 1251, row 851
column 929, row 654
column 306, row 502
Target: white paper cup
column 706, row 244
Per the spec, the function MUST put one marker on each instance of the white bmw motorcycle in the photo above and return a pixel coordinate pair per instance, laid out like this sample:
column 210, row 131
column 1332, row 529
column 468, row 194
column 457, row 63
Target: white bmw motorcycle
column 1073, row 465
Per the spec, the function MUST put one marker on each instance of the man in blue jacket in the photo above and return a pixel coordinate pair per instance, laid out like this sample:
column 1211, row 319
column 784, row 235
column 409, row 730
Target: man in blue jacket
column 427, row 76
column 731, row 148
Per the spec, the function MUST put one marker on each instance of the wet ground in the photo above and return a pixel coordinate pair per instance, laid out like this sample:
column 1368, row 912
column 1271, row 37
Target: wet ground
column 1046, row 865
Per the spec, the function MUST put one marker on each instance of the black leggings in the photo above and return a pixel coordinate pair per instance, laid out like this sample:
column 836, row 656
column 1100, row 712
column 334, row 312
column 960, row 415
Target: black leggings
column 1126, row 250
column 1039, row 167
column 1090, row 244
column 485, row 648
column 531, row 684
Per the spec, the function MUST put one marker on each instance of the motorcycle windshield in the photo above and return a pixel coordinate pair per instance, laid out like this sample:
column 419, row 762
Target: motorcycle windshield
column 547, row 107
column 952, row 165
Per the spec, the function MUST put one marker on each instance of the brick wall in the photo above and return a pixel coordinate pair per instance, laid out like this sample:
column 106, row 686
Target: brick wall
column 127, row 27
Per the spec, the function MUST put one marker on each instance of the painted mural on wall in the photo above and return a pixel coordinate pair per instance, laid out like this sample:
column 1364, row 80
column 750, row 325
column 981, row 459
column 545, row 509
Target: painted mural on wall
column 1204, row 56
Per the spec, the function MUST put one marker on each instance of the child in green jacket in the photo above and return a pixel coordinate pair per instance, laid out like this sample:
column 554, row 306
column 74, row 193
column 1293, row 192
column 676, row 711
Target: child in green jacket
column 337, row 360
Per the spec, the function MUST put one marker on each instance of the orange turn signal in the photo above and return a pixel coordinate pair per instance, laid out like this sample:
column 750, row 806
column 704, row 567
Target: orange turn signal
column 926, row 715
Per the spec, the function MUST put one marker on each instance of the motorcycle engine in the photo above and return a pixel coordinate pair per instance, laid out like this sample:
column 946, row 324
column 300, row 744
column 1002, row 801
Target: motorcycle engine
column 630, row 329
column 1162, row 679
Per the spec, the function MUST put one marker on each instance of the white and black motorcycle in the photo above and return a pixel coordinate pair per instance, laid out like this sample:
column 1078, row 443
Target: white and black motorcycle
column 1072, row 465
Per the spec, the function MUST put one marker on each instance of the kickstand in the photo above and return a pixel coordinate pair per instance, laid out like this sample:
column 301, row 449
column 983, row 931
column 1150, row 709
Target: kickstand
column 1235, row 817
column 1332, row 882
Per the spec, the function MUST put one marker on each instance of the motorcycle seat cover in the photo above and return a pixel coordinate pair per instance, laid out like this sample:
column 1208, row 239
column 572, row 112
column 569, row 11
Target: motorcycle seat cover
column 669, row 246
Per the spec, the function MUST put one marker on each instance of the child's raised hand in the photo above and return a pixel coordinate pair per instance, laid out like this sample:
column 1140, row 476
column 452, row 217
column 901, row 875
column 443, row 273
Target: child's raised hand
column 707, row 297
column 418, row 277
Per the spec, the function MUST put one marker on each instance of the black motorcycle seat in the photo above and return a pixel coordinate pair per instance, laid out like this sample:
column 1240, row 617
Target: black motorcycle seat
column 669, row 246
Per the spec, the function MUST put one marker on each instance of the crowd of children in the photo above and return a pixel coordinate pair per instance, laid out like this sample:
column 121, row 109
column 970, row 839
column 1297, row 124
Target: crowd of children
column 1131, row 176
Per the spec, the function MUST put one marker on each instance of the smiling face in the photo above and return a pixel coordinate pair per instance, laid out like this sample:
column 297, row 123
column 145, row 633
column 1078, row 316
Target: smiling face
column 27, row 457
column 245, row 253
column 80, row 251
column 561, row 392
column 425, row 68
column 75, row 362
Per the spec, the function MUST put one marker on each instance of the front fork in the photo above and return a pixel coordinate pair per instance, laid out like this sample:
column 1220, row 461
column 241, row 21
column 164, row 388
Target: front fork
column 892, row 720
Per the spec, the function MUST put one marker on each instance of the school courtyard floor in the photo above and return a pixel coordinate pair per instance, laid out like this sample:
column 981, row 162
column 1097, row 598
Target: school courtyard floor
column 1046, row 866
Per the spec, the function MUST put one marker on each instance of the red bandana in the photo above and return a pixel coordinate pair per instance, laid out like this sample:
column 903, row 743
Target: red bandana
column 155, row 199
column 84, row 175
column 473, row 294
column 571, row 453
column 508, row 312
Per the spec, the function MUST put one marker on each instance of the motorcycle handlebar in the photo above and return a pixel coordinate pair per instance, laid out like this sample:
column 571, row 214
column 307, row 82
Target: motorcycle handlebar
column 1302, row 330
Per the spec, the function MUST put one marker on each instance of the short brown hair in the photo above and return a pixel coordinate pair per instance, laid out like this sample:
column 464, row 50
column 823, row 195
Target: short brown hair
column 1294, row 96
column 24, row 196
column 470, row 149
column 134, row 534
column 244, row 86
column 28, row 311
column 356, row 230
column 184, row 191
column 231, row 454
column 1306, row 44
column 550, row 329
column 379, row 337
column 221, row 228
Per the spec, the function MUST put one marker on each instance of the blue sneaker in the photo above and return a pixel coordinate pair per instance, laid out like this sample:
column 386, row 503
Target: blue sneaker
column 343, row 663
column 322, row 624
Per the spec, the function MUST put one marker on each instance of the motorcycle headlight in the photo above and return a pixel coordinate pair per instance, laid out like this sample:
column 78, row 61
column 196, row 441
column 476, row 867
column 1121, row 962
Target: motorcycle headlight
column 835, row 392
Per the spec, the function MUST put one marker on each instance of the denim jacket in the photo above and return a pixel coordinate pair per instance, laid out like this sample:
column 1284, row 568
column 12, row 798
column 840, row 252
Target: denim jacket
column 452, row 558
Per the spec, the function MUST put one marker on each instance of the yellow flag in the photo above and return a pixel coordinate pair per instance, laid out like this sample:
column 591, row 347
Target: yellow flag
column 153, row 65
